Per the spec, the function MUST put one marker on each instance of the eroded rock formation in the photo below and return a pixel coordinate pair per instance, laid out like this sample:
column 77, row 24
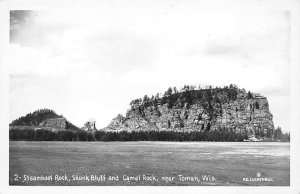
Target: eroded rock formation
column 57, row 123
column 90, row 126
column 206, row 109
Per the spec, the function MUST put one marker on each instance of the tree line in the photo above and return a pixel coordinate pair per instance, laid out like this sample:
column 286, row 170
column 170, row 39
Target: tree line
column 215, row 135
column 190, row 94
column 278, row 135
column 46, row 135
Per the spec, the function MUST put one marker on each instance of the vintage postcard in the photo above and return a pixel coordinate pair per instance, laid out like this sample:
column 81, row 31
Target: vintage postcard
column 151, row 96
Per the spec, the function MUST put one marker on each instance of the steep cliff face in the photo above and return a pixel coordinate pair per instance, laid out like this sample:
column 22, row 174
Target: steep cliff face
column 209, row 109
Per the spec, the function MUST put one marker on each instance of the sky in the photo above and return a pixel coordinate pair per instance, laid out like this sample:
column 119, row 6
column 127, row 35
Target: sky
column 90, row 63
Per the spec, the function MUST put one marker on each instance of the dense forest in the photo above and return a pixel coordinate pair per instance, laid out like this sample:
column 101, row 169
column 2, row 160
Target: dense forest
column 217, row 135
column 190, row 94
column 45, row 135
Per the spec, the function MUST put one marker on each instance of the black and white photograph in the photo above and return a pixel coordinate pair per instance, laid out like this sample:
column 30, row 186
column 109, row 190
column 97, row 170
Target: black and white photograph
column 151, row 93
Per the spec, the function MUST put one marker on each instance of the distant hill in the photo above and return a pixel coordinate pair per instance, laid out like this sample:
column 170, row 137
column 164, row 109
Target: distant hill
column 43, row 119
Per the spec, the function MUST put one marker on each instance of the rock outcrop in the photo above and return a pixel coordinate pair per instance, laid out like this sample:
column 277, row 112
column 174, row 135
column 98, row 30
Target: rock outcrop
column 45, row 119
column 56, row 123
column 227, row 108
column 90, row 126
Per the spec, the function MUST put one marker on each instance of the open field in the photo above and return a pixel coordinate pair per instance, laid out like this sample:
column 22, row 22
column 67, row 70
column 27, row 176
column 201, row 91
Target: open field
column 222, row 163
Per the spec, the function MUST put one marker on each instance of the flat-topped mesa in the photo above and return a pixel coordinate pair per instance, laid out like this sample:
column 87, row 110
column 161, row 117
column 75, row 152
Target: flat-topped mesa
column 199, row 110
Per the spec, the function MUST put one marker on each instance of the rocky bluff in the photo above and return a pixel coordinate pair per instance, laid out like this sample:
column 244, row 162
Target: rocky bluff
column 45, row 119
column 203, row 109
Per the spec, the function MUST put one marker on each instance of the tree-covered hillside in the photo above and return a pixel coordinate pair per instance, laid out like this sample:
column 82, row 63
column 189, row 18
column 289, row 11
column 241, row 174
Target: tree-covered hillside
column 36, row 117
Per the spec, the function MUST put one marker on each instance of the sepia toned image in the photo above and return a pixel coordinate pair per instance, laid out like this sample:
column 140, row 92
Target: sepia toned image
column 149, row 94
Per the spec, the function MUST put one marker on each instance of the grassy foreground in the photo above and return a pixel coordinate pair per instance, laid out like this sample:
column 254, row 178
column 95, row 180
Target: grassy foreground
column 148, row 163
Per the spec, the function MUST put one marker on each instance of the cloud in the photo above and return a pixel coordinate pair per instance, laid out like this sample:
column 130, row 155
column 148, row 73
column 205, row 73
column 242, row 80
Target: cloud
column 260, row 49
column 261, row 38
column 19, row 18
column 222, row 49
column 118, row 52
column 276, row 91
column 98, row 60
column 26, row 28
